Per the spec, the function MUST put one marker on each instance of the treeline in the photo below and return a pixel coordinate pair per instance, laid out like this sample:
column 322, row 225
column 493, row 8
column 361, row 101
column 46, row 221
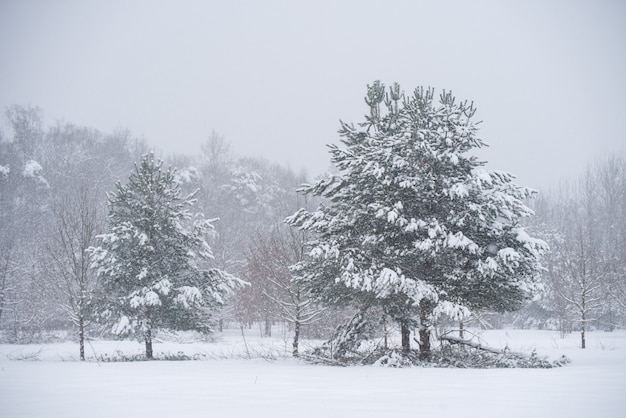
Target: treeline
column 53, row 204
column 53, row 186
column 584, row 281
column 584, row 222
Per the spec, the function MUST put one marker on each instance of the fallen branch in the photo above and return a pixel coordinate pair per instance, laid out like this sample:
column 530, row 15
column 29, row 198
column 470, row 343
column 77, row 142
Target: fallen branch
column 25, row 355
column 321, row 360
column 457, row 340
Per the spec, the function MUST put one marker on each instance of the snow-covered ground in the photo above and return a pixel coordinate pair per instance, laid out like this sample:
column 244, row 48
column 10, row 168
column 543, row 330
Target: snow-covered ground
column 47, row 381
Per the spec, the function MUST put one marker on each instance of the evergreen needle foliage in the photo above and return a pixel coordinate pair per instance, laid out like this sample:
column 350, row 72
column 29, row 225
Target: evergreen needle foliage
column 415, row 225
column 153, row 263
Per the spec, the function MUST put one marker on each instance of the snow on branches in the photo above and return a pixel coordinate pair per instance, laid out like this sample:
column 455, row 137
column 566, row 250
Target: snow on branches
column 154, row 262
column 413, row 217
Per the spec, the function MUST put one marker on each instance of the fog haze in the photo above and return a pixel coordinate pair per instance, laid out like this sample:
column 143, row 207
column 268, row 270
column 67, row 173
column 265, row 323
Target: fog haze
column 275, row 77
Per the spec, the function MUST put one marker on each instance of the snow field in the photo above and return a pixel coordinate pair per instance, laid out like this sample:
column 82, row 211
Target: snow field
column 594, row 384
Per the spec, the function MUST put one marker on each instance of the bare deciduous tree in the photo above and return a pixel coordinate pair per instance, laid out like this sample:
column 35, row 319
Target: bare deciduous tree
column 586, row 267
column 581, row 282
column 77, row 221
column 268, row 265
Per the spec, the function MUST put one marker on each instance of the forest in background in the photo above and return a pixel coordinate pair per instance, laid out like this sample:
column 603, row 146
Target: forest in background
column 54, row 182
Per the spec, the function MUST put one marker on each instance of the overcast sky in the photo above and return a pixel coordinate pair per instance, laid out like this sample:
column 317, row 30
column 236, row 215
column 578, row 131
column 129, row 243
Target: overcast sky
column 275, row 77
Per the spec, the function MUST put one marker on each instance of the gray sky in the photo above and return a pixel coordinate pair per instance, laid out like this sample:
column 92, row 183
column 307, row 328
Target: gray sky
column 275, row 77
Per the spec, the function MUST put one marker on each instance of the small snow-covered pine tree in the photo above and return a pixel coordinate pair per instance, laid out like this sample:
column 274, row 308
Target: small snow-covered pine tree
column 153, row 261
column 414, row 224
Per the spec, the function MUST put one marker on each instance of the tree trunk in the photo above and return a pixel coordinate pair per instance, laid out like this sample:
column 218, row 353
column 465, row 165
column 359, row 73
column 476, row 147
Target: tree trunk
column 582, row 330
column 81, row 337
column 424, row 332
column 2, row 292
column 405, row 331
column 424, row 343
column 582, row 337
column 583, row 321
column 296, row 337
column 268, row 325
column 148, row 338
column 386, row 332
column 461, row 329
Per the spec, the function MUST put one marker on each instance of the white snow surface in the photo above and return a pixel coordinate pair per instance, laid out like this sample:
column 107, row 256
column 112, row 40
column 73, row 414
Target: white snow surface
column 49, row 382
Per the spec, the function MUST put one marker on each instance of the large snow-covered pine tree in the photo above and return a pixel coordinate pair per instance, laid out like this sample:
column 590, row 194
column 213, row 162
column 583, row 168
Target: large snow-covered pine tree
column 153, row 262
column 414, row 224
